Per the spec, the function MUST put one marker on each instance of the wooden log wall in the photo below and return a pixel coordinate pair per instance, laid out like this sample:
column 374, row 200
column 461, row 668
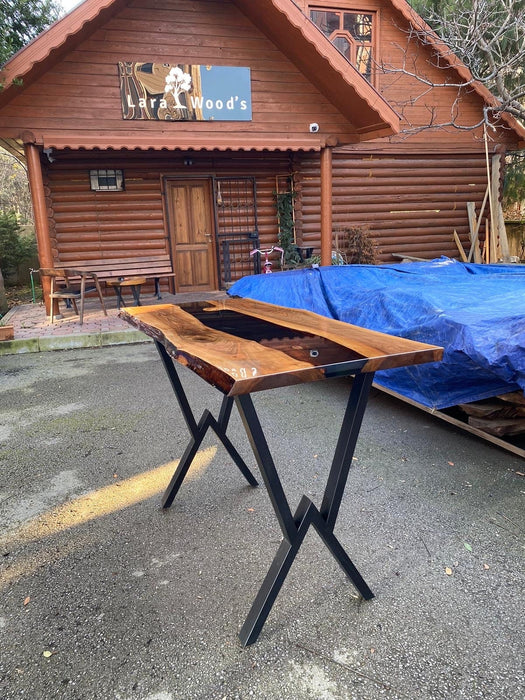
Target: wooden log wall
column 81, row 93
column 410, row 203
column 427, row 113
column 88, row 225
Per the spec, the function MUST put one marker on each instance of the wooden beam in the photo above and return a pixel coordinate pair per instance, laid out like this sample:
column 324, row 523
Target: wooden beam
column 474, row 224
column 38, row 199
column 326, row 206
column 456, row 422
column 460, row 247
column 494, row 201
column 503, row 240
column 499, row 220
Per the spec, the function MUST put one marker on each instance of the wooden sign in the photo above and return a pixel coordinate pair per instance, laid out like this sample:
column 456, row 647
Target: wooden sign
column 184, row 92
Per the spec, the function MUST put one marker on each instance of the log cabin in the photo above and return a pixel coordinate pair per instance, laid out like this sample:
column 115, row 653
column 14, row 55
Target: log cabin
column 163, row 130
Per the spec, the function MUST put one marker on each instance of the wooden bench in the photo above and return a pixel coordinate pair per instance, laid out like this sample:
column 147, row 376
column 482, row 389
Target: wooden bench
column 62, row 280
column 154, row 268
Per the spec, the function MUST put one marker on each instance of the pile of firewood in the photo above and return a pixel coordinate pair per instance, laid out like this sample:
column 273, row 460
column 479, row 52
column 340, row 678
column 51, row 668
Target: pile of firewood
column 501, row 415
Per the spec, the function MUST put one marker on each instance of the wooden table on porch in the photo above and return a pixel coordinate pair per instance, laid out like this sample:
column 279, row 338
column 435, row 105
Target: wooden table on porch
column 241, row 346
column 134, row 283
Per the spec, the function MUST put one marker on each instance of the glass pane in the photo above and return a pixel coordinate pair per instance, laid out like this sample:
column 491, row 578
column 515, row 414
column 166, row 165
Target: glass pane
column 343, row 45
column 364, row 61
column 358, row 25
column 106, row 180
column 328, row 22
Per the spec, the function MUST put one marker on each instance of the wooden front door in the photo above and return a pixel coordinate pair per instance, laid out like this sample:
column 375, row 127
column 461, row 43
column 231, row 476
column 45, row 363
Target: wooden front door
column 192, row 234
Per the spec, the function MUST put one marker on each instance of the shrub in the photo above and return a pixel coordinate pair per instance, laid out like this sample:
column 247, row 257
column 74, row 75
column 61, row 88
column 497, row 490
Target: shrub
column 355, row 246
column 14, row 246
column 284, row 204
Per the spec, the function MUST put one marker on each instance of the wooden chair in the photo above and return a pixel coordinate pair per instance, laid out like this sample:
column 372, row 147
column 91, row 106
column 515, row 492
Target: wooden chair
column 74, row 293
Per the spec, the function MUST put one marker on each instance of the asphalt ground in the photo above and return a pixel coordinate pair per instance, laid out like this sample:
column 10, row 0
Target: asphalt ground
column 106, row 596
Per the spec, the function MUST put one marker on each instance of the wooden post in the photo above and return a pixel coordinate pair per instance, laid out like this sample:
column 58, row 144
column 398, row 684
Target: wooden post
column 494, row 224
column 36, row 185
column 460, row 247
column 474, row 224
column 326, row 206
column 498, row 219
column 473, row 229
column 503, row 240
column 490, row 233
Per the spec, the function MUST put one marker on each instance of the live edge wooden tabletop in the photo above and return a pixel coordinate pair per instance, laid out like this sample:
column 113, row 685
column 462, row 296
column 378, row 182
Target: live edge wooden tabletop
column 293, row 346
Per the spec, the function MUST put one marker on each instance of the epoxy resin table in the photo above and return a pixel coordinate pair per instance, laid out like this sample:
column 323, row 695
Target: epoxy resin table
column 241, row 346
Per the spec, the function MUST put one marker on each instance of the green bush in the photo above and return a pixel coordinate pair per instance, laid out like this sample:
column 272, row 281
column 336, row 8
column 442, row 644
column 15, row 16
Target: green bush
column 14, row 246
column 284, row 204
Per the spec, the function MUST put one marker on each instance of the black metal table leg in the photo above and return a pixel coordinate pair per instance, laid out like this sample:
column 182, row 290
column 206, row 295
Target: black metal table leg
column 198, row 431
column 135, row 290
column 344, row 451
column 120, row 299
column 157, row 288
column 295, row 527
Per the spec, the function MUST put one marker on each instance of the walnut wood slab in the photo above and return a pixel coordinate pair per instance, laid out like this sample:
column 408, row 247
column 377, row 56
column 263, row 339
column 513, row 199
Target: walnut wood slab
column 305, row 347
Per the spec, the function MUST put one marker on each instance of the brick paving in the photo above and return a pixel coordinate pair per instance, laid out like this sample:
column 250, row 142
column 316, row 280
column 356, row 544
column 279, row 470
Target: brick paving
column 31, row 323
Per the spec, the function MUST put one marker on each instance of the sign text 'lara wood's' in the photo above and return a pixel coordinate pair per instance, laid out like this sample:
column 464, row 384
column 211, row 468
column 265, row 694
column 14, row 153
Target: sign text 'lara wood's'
column 183, row 92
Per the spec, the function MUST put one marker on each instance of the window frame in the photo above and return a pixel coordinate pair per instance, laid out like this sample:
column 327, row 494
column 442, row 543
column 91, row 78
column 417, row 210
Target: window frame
column 373, row 45
column 97, row 175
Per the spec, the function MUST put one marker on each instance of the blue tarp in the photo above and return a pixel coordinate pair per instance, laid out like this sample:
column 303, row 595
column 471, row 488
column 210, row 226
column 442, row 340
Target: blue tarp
column 476, row 312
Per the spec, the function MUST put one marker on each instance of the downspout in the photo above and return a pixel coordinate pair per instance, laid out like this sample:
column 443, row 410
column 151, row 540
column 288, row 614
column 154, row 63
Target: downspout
column 326, row 205
column 38, row 199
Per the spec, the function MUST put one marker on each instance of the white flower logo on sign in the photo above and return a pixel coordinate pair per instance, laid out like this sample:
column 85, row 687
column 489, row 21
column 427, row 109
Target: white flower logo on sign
column 177, row 81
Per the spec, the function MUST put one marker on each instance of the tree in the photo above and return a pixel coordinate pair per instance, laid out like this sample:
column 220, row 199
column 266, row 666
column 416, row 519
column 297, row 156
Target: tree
column 14, row 188
column 3, row 298
column 488, row 37
column 22, row 20
column 14, row 246
column 514, row 186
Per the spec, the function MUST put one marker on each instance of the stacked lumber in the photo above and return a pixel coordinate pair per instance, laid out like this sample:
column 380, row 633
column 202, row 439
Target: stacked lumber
column 494, row 247
column 501, row 415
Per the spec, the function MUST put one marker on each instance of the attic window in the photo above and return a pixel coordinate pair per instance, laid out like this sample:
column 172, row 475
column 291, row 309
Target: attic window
column 107, row 180
column 352, row 33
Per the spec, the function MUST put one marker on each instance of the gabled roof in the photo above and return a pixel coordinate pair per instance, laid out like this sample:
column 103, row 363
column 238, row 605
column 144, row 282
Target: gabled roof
column 315, row 55
column 280, row 20
column 453, row 61
column 33, row 59
column 288, row 28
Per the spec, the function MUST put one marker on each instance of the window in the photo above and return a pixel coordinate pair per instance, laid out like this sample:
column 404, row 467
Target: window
column 112, row 180
column 351, row 33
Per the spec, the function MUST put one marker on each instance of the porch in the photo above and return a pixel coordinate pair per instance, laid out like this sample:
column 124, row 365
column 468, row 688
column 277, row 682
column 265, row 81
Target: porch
column 34, row 333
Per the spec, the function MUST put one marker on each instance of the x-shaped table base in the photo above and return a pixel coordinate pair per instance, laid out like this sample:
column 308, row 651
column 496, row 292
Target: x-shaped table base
column 294, row 526
column 198, row 431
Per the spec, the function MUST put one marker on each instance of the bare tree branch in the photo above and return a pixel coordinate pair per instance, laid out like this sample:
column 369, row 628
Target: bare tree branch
column 477, row 43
